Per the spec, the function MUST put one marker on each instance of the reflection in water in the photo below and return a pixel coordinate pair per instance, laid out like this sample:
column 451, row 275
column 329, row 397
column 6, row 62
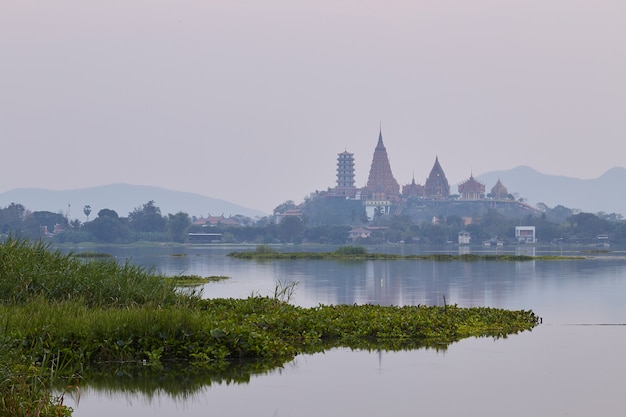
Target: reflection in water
column 179, row 381
column 176, row 380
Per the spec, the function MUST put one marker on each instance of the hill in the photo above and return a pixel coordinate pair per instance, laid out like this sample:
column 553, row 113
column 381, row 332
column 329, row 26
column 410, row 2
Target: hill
column 123, row 198
column 589, row 195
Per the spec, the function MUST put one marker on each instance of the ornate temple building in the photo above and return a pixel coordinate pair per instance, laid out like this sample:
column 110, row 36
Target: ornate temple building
column 381, row 185
column 499, row 191
column 436, row 185
column 471, row 189
column 413, row 189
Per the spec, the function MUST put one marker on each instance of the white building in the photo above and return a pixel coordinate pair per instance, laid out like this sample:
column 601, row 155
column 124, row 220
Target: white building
column 464, row 238
column 525, row 234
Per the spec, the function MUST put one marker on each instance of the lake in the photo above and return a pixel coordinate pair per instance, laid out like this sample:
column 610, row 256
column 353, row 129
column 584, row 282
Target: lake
column 573, row 364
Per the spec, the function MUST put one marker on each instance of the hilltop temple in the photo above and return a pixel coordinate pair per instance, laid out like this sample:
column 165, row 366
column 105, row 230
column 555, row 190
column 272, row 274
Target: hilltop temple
column 382, row 194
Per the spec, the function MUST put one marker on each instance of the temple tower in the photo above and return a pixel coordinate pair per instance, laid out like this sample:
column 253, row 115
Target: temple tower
column 381, row 185
column 345, row 175
column 437, row 184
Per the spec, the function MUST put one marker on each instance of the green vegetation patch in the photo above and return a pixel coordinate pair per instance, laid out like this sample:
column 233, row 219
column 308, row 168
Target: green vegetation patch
column 92, row 255
column 360, row 253
column 194, row 280
column 62, row 316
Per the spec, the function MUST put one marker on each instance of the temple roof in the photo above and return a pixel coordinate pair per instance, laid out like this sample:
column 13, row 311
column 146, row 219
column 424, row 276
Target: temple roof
column 381, row 184
column 471, row 186
column 437, row 184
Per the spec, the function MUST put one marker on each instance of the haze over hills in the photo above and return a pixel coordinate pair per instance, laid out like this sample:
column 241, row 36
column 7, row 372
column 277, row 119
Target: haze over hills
column 123, row 198
column 589, row 195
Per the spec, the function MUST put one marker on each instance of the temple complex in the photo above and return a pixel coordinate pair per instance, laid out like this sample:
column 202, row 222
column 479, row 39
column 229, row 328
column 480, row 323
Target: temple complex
column 347, row 203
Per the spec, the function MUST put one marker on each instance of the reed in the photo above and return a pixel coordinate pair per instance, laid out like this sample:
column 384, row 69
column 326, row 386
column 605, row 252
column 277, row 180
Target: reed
column 30, row 270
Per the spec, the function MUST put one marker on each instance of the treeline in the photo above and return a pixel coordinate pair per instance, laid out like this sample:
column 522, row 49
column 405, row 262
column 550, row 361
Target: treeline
column 146, row 223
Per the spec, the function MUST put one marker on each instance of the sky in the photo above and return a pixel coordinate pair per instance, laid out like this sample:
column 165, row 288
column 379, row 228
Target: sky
column 251, row 101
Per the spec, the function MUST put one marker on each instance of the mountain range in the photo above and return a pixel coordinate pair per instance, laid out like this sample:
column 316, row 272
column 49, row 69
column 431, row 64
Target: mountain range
column 588, row 195
column 123, row 198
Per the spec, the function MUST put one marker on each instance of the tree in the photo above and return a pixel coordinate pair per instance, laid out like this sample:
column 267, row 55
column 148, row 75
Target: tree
column 147, row 218
column 282, row 208
column 108, row 227
column 11, row 218
column 587, row 226
column 292, row 229
column 177, row 225
column 87, row 211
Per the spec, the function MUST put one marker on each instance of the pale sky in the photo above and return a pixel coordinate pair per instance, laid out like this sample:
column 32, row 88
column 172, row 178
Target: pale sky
column 251, row 101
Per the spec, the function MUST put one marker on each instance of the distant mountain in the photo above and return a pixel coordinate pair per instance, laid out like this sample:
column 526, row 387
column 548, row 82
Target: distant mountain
column 592, row 195
column 123, row 198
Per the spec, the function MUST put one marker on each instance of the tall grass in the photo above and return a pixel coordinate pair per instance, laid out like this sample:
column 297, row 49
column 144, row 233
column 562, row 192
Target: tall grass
column 31, row 270
column 53, row 311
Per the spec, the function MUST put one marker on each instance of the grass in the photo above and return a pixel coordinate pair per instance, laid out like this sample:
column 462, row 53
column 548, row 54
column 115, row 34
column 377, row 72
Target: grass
column 62, row 317
column 194, row 280
column 360, row 253
column 92, row 255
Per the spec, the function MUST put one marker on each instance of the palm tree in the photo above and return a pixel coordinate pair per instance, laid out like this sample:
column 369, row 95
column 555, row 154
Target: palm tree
column 87, row 211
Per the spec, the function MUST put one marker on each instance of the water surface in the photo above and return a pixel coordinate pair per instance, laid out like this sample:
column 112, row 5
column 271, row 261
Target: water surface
column 573, row 364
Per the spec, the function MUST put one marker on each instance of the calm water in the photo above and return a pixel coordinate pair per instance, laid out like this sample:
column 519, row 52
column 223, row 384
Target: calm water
column 573, row 364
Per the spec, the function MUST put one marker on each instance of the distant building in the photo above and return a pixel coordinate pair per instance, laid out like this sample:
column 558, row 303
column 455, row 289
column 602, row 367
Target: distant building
column 359, row 233
column 381, row 185
column 602, row 241
column 291, row 213
column 436, row 185
column 499, row 191
column 363, row 232
column 204, row 237
column 413, row 189
column 215, row 221
column 464, row 238
column 345, row 176
column 472, row 189
column 525, row 234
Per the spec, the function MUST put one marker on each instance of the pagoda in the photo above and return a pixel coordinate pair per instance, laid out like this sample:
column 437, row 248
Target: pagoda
column 381, row 185
column 345, row 175
column 436, row 185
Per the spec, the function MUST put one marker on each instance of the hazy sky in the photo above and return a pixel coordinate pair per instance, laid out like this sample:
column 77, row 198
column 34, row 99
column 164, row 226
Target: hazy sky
column 251, row 101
